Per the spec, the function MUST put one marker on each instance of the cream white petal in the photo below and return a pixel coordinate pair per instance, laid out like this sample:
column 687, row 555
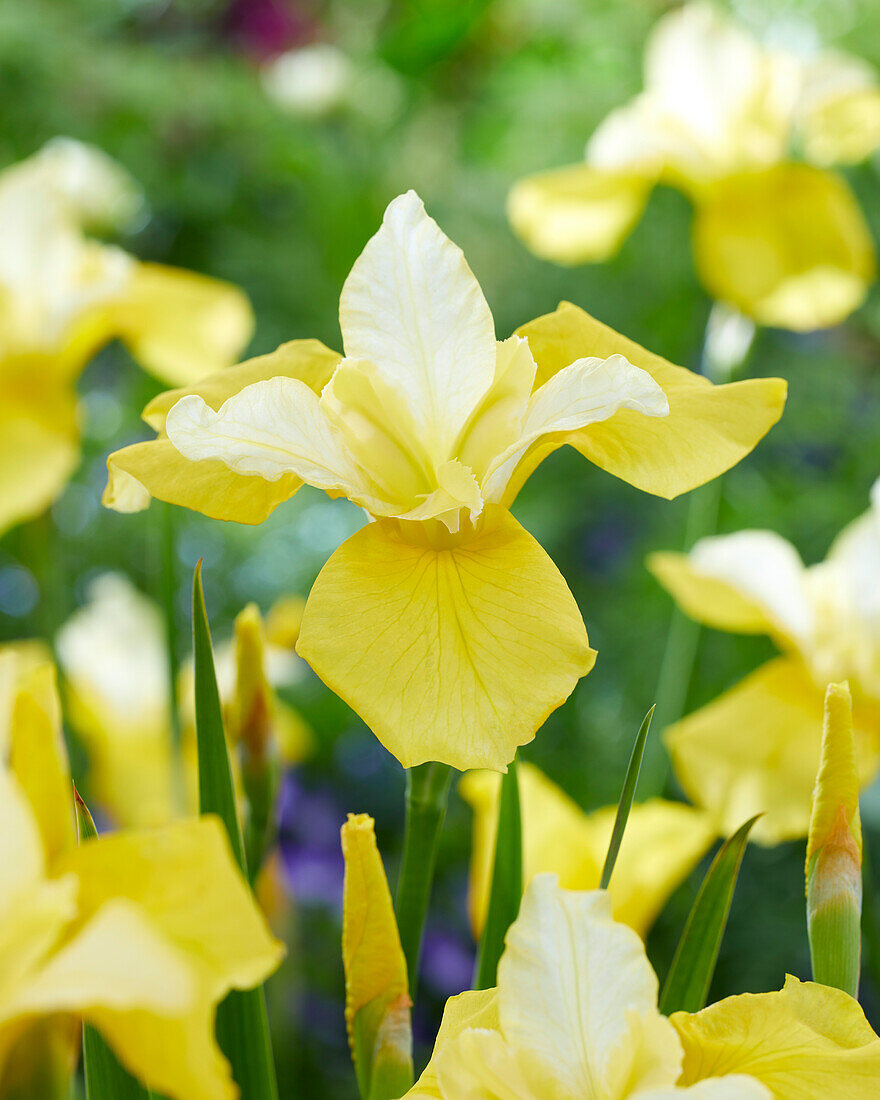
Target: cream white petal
column 479, row 1064
column 269, row 429
column 585, row 392
column 764, row 567
column 576, row 991
column 412, row 306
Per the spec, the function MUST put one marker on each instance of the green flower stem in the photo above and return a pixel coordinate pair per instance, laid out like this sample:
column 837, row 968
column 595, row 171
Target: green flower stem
column 168, row 558
column 427, row 792
column 719, row 362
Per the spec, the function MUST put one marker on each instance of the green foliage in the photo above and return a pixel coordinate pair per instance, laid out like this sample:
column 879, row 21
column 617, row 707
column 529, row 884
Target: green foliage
column 627, row 794
column 687, row 984
column 242, row 1023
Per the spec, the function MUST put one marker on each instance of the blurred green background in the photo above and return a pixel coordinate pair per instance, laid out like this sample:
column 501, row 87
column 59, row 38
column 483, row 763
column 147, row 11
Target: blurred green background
column 456, row 98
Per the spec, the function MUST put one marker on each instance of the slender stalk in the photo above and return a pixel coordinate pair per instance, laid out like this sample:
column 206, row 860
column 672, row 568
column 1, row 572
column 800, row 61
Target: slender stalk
column 726, row 344
column 168, row 558
column 427, row 792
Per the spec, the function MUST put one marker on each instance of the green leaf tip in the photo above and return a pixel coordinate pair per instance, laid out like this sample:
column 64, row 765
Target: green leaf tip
column 627, row 795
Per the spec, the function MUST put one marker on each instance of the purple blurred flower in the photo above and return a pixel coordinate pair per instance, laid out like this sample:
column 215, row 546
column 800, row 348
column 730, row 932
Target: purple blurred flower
column 266, row 28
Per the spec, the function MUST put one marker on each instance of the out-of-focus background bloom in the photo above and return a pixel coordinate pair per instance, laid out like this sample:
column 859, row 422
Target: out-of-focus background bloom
column 263, row 139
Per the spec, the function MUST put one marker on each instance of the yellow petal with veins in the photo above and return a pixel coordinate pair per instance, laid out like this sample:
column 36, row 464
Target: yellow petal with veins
column 472, row 1009
column 806, row 1042
column 788, row 246
column 770, row 765
column 708, row 429
column 456, row 652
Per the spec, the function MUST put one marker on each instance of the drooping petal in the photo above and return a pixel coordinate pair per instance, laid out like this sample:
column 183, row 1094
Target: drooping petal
column 572, row 985
column 769, row 767
column 179, row 325
column 39, row 445
column 157, row 469
column 708, row 430
column 577, row 215
column 38, row 758
column 751, row 582
column 270, row 429
column 586, row 392
column 185, row 879
column 144, row 994
column 472, row 1009
column 787, row 246
column 662, row 844
column 806, row 1042
column 376, row 984
column 412, row 306
column 454, row 654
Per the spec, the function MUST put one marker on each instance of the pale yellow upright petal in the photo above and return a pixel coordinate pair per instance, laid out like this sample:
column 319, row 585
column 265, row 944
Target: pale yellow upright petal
column 376, row 986
column 708, row 429
column 769, row 767
column 576, row 991
column 472, row 1009
column 576, row 215
column 179, row 325
column 412, row 307
column 806, row 1042
column 454, row 654
column 788, row 246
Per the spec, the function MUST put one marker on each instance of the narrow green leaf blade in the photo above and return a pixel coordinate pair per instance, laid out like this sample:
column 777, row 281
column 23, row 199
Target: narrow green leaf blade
column 242, row 1022
column 507, row 882
column 104, row 1077
column 687, row 984
column 627, row 795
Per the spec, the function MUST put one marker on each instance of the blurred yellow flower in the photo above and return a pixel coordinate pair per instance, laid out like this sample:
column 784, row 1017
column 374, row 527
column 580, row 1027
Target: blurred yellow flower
column 747, row 131
column 826, row 619
column 64, row 294
column 377, row 1002
column 575, row 1015
column 140, row 934
column 442, row 623
column 113, row 654
column 661, row 846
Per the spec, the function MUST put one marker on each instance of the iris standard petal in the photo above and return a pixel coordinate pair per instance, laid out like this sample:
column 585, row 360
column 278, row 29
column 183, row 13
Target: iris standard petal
column 453, row 654
column 805, row 1042
column 787, row 246
column 708, row 429
column 572, row 984
column 576, row 215
column 412, row 306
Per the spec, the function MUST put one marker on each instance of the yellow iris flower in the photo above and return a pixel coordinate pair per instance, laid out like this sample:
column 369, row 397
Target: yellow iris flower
column 141, row 934
column 747, row 132
column 826, row 619
column 575, row 1015
column 113, row 654
column 442, row 623
column 661, row 846
column 64, row 294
